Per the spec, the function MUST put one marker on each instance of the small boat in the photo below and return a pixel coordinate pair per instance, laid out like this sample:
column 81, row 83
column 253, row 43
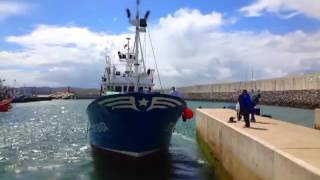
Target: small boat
column 5, row 100
column 5, row 105
column 129, row 119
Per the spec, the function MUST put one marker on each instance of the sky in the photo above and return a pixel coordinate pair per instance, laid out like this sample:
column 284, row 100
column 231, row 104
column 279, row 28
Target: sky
column 63, row 43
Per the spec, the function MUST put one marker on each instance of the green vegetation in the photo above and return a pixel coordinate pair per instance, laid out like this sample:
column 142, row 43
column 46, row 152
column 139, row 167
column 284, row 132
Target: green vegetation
column 218, row 171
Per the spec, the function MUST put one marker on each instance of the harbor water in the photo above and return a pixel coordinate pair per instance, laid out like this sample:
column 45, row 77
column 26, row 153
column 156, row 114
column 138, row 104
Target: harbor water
column 48, row 140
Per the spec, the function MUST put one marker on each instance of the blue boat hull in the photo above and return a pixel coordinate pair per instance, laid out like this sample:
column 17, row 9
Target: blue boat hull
column 134, row 124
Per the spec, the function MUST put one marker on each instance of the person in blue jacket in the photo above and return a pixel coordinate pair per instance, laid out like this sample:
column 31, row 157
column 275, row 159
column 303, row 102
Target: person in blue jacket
column 245, row 106
column 174, row 92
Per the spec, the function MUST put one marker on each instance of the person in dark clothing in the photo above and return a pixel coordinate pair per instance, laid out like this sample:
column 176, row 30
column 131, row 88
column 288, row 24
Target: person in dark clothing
column 255, row 100
column 245, row 106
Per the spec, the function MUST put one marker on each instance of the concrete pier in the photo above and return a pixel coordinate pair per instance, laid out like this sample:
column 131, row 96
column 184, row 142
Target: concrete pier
column 270, row 149
column 317, row 119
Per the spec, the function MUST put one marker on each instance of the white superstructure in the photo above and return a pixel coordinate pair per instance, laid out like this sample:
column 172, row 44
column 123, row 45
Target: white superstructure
column 135, row 77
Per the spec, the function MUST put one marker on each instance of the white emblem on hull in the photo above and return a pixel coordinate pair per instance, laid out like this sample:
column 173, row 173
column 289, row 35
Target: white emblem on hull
column 163, row 103
column 129, row 102
column 120, row 103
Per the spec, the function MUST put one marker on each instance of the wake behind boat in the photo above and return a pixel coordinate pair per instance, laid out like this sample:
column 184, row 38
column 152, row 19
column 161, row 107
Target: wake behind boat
column 130, row 119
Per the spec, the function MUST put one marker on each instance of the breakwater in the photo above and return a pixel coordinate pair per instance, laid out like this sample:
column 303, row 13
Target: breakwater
column 88, row 96
column 293, row 91
column 301, row 99
column 30, row 99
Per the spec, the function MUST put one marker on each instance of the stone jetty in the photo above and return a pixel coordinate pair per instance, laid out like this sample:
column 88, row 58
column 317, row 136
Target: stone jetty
column 294, row 91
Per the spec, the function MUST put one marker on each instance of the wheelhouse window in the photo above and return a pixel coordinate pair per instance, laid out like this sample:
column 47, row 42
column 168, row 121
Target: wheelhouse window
column 118, row 89
column 131, row 88
column 147, row 89
column 125, row 88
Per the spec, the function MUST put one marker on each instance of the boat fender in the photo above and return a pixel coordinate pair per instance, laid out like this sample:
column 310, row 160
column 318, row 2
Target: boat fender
column 187, row 114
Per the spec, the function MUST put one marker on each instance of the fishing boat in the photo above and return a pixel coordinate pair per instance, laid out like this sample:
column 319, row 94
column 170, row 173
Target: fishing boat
column 130, row 119
column 5, row 105
column 5, row 101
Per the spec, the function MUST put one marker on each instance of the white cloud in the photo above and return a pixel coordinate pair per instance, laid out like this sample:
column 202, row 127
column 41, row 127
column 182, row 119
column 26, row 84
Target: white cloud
column 57, row 35
column 63, row 55
column 12, row 8
column 284, row 8
column 190, row 48
column 211, row 55
column 195, row 21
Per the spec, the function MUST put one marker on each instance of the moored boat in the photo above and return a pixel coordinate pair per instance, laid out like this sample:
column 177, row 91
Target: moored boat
column 5, row 100
column 129, row 119
column 5, row 105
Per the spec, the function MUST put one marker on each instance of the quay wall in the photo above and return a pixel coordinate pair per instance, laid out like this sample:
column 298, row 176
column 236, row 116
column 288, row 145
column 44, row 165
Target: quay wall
column 294, row 98
column 303, row 82
column 89, row 96
column 244, row 156
column 294, row 91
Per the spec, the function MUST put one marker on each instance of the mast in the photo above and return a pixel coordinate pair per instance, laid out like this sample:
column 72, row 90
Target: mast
column 140, row 25
column 128, row 60
column 136, row 62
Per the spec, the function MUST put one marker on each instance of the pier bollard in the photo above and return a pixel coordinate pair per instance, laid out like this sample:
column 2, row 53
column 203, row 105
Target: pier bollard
column 317, row 119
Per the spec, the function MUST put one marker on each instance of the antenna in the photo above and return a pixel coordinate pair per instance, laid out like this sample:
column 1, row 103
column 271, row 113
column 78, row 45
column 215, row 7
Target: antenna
column 138, row 4
column 128, row 13
column 128, row 44
column 146, row 15
column 251, row 74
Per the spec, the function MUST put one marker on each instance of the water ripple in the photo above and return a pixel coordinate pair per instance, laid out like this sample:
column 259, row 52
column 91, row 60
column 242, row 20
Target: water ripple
column 48, row 140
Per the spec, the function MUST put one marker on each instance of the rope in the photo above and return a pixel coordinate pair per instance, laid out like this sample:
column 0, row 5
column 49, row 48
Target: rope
column 142, row 56
column 155, row 61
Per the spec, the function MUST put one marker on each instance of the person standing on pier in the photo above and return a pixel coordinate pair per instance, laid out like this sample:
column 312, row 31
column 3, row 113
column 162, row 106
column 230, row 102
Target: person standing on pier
column 238, row 111
column 174, row 92
column 252, row 111
column 245, row 106
column 255, row 98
